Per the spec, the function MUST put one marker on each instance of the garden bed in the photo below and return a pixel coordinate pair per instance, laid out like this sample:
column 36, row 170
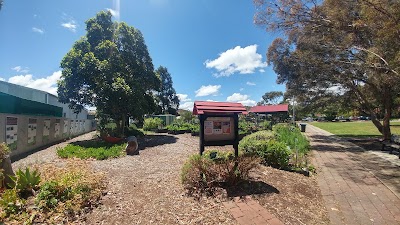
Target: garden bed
column 146, row 188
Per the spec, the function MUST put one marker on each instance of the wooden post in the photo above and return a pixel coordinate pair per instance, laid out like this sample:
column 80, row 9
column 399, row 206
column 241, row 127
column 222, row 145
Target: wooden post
column 201, row 134
column 236, row 141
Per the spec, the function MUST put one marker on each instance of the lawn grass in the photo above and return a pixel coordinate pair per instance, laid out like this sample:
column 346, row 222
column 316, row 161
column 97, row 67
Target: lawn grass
column 95, row 149
column 355, row 129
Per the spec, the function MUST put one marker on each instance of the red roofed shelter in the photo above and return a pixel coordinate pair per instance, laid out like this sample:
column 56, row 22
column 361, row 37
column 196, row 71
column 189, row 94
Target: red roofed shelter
column 279, row 111
column 219, row 123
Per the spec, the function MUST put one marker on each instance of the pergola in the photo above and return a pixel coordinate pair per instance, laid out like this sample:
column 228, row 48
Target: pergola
column 219, row 123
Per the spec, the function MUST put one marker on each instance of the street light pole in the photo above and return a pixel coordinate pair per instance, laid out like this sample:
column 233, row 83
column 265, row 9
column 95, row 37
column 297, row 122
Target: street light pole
column 294, row 120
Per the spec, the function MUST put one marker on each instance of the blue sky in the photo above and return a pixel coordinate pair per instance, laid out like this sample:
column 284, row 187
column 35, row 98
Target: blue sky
column 211, row 48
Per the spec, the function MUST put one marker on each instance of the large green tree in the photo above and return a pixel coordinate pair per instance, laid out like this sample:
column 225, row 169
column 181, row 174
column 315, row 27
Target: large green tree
column 168, row 101
column 337, row 50
column 109, row 68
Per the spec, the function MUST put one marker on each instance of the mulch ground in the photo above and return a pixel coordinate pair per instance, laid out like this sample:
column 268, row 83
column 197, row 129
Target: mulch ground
column 146, row 189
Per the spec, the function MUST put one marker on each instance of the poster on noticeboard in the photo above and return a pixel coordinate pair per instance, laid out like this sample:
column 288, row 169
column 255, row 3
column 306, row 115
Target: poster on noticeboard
column 217, row 125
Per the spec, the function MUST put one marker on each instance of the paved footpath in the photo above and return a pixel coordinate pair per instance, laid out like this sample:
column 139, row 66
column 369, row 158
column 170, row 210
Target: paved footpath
column 246, row 211
column 353, row 194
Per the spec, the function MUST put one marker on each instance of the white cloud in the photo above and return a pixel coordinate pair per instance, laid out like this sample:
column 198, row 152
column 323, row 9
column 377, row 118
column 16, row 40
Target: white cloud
column 183, row 97
column 21, row 69
column 250, row 83
column 70, row 25
column 261, row 70
column 244, row 99
column 48, row 84
column 187, row 106
column 241, row 89
column 209, row 100
column 237, row 60
column 2, row 79
column 208, row 90
column 37, row 30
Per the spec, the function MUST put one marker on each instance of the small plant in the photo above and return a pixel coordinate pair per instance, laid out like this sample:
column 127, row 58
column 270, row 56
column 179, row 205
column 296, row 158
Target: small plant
column 217, row 169
column 11, row 203
column 4, row 150
column 25, row 181
column 51, row 193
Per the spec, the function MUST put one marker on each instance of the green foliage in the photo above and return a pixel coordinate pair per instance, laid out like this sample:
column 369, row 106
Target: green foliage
column 25, row 181
column 110, row 68
column 264, row 145
column 152, row 123
column 11, row 203
column 245, row 127
column 249, row 144
column 50, row 194
column 292, row 137
column 265, row 125
column 133, row 131
column 218, row 169
column 99, row 150
column 180, row 126
column 167, row 98
column 277, row 154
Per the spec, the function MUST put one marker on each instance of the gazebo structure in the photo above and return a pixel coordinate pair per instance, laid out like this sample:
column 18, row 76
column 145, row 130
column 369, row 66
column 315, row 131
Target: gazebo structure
column 280, row 111
column 219, row 123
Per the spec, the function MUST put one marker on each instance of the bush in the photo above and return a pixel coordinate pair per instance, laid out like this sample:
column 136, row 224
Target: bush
column 217, row 169
column 152, row 123
column 264, row 145
column 249, row 144
column 133, row 131
column 11, row 203
column 276, row 154
column 293, row 138
column 99, row 150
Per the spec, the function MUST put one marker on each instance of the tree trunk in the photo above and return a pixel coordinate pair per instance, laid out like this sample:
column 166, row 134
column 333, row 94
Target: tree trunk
column 123, row 125
column 5, row 165
column 388, row 113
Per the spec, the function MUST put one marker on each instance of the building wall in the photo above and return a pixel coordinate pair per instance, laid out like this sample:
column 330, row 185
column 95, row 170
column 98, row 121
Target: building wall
column 33, row 132
column 40, row 96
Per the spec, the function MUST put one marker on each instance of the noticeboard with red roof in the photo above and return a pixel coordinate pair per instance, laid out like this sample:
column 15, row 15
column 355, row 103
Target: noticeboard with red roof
column 219, row 123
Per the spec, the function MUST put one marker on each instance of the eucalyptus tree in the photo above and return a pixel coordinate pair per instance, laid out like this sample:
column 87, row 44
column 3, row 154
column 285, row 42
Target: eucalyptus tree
column 109, row 68
column 345, row 50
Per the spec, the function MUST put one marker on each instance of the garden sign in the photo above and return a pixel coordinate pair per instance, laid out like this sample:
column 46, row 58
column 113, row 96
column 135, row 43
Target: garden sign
column 219, row 123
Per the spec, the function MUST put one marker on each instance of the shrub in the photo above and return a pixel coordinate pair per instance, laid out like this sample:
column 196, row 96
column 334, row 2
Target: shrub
column 251, row 143
column 293, row 138
column 99, row 150
column 265, row 125
column 133, row 131
column 276, row 154
column 152, row 123
column 25, row 182
column 11, row 203
column 215, row 169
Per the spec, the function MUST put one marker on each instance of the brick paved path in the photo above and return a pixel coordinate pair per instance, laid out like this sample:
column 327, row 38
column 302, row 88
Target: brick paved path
column 352, row 193
column 246, row 211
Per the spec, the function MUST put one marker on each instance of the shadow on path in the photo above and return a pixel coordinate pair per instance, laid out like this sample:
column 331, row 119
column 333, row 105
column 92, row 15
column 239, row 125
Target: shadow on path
column 249, row 187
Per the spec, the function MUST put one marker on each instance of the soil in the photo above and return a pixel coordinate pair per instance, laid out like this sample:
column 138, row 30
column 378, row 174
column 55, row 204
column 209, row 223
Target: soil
column 146, row 188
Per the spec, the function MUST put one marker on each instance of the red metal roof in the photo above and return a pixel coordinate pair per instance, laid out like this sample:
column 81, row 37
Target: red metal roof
column 270, row 108
column 203, row 107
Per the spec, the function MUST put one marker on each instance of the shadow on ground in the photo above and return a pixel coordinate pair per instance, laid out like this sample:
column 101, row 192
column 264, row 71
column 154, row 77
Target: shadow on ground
column 249, row 187
column 155, row 140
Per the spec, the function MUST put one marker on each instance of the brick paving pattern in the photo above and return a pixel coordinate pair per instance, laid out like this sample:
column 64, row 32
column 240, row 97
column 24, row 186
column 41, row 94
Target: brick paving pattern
column 246, row 211
column 352, row 193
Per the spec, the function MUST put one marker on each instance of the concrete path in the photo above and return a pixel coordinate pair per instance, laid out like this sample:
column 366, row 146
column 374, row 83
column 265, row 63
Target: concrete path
column 353, row 192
